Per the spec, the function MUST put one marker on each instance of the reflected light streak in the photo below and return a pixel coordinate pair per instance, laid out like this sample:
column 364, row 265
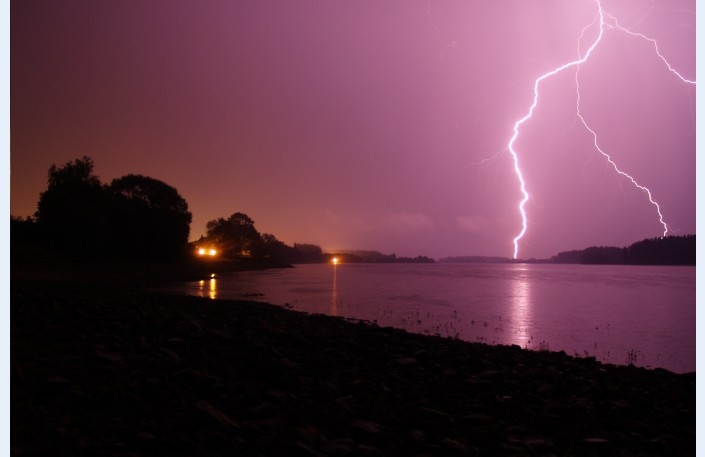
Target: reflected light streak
column 211, row 292
column 334, row 294
column 211, row 289
column 520, row 293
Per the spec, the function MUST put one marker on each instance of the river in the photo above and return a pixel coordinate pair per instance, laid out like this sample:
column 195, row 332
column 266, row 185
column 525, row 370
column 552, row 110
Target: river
column 644, row 315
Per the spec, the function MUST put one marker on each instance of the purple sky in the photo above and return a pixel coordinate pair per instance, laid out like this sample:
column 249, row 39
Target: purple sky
column 365, row 124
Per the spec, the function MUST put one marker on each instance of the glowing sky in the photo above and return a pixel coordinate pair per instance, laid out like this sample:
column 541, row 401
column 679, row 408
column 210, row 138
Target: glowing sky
column 367, row 124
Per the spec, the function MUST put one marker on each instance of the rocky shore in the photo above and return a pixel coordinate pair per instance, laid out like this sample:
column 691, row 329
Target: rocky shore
column 100, row 370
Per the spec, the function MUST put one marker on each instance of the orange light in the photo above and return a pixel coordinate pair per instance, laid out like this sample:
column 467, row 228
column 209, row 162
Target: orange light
column 201, row 251
column 335, row 260
column 211, row 288
column 212, row 252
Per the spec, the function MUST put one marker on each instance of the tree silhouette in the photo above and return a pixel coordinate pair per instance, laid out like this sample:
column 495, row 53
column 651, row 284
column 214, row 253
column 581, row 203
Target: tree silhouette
column 274, row 248
column 72, row 214
column 135, row 217
column 235, row 236
column 151, row 220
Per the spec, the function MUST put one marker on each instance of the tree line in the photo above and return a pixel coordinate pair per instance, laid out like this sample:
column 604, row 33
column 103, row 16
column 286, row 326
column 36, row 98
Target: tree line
column 135, row 217
column 237, row 237
column 362, row 256
column 670, row 250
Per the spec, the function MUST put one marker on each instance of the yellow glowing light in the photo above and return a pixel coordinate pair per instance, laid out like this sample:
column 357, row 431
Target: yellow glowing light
column 212, row 275
column 211, row 288
column 335, row 260
column 211, row 252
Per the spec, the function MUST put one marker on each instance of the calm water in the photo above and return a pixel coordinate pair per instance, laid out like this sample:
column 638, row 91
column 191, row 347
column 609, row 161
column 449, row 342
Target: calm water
column 618, row 314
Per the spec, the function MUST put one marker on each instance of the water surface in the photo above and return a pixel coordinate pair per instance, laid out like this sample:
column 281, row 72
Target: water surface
column 619, row 314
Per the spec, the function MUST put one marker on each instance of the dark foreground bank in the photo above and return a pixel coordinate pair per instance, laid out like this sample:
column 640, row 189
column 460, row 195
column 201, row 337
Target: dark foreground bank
column 101, row 371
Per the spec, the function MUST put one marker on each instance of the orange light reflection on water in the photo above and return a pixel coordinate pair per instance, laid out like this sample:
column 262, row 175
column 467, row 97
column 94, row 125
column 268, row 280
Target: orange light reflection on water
column 334, row 295
column 211, row 292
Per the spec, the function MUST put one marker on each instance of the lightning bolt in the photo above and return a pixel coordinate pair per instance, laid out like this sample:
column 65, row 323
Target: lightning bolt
column 653, row 42
column 603, row 17
column 529, row 114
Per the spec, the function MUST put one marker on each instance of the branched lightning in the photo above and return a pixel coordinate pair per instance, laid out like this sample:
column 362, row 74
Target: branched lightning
column 614, row 24
column 594, row 134
column 510, row 145
column 654, row 44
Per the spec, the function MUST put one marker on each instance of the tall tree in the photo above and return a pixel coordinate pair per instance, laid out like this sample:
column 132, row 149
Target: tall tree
column 72, row 214
column 151, row 220
column 134, row 217
column 236, row 235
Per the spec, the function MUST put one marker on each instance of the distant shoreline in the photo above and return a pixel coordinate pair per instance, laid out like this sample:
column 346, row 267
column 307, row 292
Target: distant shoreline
column 670, row 250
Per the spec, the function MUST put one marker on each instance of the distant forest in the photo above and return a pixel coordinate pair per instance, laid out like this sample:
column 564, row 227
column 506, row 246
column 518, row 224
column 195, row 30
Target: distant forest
column 361, row 256
column 136, row 217
column 140, row 218
column 670, row 250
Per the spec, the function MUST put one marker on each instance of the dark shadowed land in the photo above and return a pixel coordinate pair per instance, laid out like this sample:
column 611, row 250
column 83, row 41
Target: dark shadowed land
column 109, row 368
column 669, row 250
